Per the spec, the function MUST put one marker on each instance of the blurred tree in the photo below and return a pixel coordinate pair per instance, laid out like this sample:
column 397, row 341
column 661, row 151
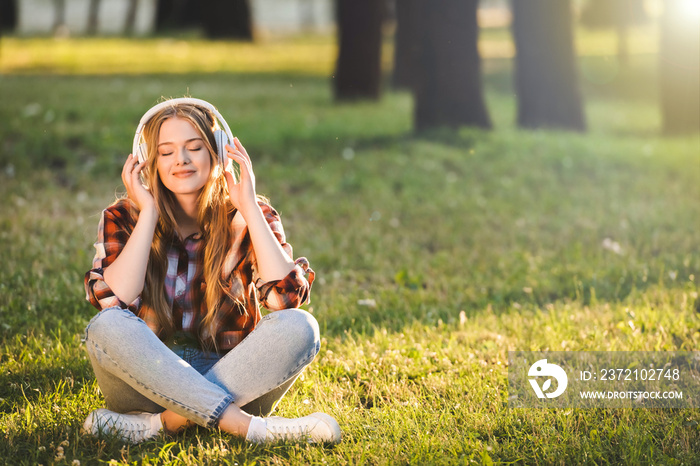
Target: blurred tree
column 177, row 14
column 93, row 11
column 546, row 79
column 59, row 16
column 358, row 68
column 617, row 14
column 447, row 87
column 227, row 19
column 406, row 47
column 679, row 52
column 8, row 15
column 131, row 17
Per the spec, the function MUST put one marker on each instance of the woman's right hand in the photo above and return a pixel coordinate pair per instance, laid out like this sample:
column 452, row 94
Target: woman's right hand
column 126, row 276
column 136, row 191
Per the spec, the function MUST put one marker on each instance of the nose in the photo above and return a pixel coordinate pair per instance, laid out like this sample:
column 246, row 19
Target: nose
column 182, row 157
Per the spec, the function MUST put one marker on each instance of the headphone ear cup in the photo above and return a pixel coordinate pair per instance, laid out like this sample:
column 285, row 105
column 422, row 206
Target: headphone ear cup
column 142, row 152
column 221, row 140
column 142, row 155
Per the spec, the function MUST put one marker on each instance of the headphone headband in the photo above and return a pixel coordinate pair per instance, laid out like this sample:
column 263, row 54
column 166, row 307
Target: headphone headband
column 172, row 102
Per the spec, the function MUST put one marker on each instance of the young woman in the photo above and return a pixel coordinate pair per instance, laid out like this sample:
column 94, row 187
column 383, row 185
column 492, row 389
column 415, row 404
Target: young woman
column 182, row 266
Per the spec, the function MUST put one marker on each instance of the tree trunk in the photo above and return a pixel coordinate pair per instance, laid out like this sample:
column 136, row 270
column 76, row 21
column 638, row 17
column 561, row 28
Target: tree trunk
column 406, row 46
column 93, row 15
column 679, row 63
column 546, row 78
column 130, row 25
column 227, row 19
column 178, row 14
column 8, row 15
column 59, row 19
column 358, row 68
column 448, row 89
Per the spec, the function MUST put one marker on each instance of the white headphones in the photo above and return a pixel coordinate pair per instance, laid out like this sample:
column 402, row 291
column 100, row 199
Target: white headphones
column 222, row 137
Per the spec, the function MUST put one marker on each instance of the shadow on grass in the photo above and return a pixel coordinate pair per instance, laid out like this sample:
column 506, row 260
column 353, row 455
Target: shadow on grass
column 64, row 440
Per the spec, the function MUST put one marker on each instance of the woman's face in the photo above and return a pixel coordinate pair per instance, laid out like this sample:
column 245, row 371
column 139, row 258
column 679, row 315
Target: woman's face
column 183, row 160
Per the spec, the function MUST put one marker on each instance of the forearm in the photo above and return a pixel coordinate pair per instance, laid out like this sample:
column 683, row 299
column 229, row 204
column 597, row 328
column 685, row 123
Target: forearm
column 273, row 263
column 126, row 275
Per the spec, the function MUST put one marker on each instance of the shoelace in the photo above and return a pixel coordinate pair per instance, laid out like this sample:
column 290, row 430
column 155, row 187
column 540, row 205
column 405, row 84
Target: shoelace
column 293, row 432
column 127, row 428
column 137, row 426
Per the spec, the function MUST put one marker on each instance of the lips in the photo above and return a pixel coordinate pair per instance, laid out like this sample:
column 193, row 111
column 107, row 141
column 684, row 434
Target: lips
column 183, row 173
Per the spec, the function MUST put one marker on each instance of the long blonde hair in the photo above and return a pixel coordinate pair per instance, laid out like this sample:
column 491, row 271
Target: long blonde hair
column 213, row 217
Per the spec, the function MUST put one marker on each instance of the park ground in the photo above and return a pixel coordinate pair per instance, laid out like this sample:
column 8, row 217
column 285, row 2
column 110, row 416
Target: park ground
column 435, row 254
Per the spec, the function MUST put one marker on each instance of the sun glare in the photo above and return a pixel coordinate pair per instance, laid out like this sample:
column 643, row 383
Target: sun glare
column 690, row 9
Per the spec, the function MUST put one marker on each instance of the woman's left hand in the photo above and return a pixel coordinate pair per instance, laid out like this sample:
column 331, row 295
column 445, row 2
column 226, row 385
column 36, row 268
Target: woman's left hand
column 241, row 193
column 273, row 263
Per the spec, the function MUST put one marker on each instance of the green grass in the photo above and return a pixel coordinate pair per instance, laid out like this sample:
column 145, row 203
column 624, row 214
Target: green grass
column 508, row 226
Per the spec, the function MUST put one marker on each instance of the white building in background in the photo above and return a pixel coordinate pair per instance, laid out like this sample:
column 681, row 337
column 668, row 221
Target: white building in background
column 72, row 17
column 293, row 16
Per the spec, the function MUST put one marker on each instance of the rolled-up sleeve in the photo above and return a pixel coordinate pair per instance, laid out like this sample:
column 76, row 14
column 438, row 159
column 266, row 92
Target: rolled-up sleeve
column 294, row 290
column 113, row 232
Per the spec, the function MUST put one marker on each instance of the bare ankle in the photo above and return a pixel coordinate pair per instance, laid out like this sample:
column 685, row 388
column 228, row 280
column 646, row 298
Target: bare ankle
column 235, row 421
column 174, row 423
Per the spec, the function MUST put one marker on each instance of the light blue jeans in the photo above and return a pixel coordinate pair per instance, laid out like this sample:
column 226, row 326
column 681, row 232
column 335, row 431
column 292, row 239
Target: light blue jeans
column 138, row 372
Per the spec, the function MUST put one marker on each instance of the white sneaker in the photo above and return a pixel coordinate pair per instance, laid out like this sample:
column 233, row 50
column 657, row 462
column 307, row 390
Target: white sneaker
column 314, row 428
column 132, row 428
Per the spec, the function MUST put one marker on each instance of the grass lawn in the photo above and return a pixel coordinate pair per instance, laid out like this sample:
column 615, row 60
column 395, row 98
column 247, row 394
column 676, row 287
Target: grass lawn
column 435, row 255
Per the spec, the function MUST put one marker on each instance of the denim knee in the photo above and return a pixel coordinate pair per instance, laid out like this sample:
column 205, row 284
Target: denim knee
column 302, row 326
column 108, row 325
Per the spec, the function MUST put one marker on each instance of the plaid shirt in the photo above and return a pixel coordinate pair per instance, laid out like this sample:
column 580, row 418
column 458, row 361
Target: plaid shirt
column 184, row 283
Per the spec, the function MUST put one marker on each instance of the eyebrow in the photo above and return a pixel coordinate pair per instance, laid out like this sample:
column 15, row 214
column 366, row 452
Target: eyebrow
column 186, row 142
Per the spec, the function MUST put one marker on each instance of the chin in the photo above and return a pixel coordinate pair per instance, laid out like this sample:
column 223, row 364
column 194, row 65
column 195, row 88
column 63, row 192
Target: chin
column 186, row 188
